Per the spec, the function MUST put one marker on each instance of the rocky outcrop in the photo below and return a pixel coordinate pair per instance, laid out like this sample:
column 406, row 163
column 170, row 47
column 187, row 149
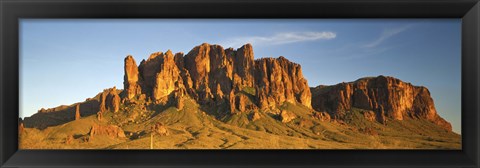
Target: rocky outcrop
column 161, row 75
column 213, row 75
column 168, row 79
column 77, row 112
column 286, row 116
column 279, row 80
column 388, row 97
column 62, row 114
column 111, row 131
column 232, row 101
column 103, row 100
column 241, row 101
column 243, row 67
column 254, row 116
column 322, row 116
column 160, row 129
column 130, row 84
column 179, row 102
column 110, row 100
column 99, row 116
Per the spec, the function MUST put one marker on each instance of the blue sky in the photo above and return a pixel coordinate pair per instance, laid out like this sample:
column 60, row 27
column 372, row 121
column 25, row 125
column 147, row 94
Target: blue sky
column 67, row 61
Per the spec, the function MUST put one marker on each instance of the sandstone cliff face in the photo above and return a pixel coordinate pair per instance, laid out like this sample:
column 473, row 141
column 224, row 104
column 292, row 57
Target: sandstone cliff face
column 109, row 100
column 130, row 83
column 279, row 80
column 168, row 79
column 213, row 75
column 244, row 67
column 386, row 96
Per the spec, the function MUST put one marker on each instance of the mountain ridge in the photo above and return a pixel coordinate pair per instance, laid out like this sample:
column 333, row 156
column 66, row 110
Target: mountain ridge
column 268, row 94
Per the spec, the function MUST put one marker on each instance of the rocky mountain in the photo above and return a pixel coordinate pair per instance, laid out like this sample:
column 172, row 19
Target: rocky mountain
column 211, row 74
column 387, row 98
column 217, row 92
column 109, row 99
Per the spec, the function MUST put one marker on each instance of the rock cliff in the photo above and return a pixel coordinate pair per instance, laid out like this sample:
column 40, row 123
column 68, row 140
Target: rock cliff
column 213, row 75
column 387, row 97
column 279, row 80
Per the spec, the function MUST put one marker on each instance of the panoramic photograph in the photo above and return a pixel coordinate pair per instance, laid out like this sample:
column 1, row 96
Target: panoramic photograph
column 162, row 84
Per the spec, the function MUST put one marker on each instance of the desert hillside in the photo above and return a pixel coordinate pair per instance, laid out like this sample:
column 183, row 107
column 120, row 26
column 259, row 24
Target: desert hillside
column 216, row 98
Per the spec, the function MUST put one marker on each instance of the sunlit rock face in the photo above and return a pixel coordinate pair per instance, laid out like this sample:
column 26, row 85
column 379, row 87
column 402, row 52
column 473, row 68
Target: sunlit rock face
column 278, row 80
column 130, row 83
column 388, row 97
column 211, row 74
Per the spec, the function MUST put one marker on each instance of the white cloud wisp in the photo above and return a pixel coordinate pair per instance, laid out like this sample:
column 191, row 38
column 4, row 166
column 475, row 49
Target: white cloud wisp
column 386, row 34
column 280, row 38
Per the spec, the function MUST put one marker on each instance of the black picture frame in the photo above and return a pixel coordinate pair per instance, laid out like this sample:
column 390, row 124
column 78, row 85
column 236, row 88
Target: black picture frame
column 13, row 10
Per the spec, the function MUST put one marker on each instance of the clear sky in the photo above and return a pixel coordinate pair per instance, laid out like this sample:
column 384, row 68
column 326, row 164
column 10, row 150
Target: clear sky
column 67, row 61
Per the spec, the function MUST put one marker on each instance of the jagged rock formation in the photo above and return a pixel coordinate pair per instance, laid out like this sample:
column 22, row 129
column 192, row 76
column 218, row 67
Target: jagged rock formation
column 113, row 100
column 109, row 100
column 130, row 83
column 388, row 97
column 111, row 131
column 213, row 75
column 168, row 79
column 77, row 112
column 279, row 80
